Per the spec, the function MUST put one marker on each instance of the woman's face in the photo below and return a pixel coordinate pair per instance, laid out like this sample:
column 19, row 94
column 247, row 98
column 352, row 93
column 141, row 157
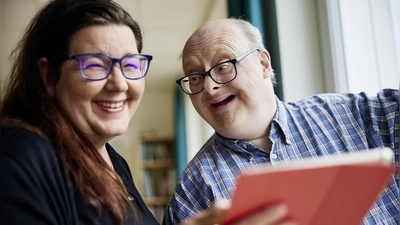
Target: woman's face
column 101, row 109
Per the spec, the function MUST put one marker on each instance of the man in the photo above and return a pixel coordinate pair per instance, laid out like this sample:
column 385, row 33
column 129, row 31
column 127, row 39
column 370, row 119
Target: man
column 253, row 127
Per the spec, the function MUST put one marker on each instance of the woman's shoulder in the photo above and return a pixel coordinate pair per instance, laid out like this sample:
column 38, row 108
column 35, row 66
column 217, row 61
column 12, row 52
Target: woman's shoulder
column 22, row 144
column 36, row 177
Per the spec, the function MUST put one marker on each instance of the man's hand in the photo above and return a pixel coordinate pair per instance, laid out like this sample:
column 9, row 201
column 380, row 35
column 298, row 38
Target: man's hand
column 271, row 215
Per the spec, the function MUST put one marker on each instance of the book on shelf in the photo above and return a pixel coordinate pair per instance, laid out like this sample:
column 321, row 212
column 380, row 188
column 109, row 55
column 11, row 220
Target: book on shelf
column 329, row 190
column 155, row 151
column 162, row 189
column 171, row 181
column 148, row 190
column 161, row 152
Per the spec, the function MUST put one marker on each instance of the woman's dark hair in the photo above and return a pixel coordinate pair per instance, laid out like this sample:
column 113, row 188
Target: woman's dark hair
column 25, row 97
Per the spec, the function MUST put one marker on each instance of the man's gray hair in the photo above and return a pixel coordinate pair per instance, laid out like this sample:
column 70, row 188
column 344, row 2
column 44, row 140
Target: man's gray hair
column 255, row 37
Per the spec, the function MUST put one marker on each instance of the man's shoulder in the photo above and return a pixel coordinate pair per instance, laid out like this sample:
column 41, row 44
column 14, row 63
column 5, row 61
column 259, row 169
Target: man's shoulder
column 214, row 144
column 214, row 153
column 325, row 98
column 322, row 99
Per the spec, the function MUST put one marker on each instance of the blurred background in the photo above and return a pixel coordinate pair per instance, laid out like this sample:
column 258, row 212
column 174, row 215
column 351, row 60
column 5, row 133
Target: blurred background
column 316, row 46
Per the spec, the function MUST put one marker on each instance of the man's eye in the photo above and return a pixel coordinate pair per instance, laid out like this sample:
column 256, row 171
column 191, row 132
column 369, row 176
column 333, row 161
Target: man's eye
column 224, row 68
column 194, row 79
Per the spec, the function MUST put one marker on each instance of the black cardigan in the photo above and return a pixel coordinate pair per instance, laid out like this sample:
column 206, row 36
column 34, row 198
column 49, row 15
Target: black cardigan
column 37, row 188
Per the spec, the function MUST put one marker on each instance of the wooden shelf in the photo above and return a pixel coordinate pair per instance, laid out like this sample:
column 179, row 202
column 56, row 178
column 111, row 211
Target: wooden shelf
column 154, row 201
column 158, row 164
column 154, row 171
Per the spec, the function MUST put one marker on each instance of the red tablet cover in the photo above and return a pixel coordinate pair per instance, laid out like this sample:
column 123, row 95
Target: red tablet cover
column 332, row 190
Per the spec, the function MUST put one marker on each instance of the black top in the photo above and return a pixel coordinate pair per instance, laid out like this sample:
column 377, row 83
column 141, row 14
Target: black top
column 37, row 188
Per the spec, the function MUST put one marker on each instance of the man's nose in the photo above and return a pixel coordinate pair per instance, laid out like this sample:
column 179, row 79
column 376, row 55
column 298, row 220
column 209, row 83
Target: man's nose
column 210, row 85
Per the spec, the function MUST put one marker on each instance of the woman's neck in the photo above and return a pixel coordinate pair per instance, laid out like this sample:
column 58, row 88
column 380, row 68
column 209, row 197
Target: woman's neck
column 106, row 157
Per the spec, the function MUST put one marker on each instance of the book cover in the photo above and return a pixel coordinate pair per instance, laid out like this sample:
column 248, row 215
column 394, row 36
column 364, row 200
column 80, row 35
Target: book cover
column 336, row 189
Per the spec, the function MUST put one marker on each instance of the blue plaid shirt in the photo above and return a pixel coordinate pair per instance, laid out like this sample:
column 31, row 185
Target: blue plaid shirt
column 320, row 125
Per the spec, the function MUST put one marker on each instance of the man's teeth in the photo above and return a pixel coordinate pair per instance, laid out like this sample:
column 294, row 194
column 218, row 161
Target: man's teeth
column 111, row 105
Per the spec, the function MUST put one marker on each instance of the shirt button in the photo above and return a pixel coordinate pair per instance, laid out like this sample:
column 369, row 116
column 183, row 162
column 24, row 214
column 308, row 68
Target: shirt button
column 251, row 159
column 274, row 156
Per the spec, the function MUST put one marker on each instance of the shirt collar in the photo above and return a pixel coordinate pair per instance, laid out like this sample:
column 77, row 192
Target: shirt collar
column 280, row 124
column 243, row 147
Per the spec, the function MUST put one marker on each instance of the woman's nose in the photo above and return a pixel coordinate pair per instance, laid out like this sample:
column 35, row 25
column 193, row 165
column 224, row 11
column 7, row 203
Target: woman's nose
column 116, row 81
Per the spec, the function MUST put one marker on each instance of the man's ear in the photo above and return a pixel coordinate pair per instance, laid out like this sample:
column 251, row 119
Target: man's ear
column 266, row 62
column 45, row 71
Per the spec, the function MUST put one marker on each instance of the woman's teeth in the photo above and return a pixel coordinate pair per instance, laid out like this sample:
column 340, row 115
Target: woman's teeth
column 111, row 105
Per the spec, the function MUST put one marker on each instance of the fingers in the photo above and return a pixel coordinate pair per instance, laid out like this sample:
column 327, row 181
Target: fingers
column 272, row 215
column 210, row 217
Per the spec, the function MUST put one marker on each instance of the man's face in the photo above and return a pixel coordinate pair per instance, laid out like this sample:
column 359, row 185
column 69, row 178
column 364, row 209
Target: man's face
column 238, row 109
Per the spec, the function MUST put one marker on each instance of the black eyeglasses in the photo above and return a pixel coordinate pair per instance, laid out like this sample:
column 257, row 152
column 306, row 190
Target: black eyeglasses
column 221, row 73
column 98, row 66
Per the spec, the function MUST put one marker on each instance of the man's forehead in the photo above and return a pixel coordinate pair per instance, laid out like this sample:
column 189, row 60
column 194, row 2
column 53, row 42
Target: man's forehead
column 208, row 40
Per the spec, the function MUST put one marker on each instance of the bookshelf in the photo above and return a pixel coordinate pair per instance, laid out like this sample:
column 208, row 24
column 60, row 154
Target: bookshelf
column 155, row 172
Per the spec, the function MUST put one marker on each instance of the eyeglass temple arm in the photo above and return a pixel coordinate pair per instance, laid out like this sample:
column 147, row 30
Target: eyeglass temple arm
column 246, row 54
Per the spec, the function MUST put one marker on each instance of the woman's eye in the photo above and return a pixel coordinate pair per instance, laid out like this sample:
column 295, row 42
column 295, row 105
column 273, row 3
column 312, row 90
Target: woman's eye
column 93, row 65
column 131, row 64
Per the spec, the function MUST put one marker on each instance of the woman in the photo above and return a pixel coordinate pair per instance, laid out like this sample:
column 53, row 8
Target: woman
column 66, row 98
column 75, row 83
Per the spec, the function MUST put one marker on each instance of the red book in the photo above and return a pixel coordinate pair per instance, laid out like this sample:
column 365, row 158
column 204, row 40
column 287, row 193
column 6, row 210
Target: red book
column 329, row 190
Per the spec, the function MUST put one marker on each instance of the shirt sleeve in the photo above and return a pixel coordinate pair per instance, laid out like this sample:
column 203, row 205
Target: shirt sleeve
column 191, row 196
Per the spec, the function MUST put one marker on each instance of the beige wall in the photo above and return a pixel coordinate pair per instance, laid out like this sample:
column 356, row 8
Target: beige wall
column 301, row 62
column 311, row 58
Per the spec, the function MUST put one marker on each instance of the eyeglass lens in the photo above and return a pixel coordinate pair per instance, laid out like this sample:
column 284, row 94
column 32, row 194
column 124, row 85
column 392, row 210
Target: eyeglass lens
column 98, row 66
column 220, row 73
